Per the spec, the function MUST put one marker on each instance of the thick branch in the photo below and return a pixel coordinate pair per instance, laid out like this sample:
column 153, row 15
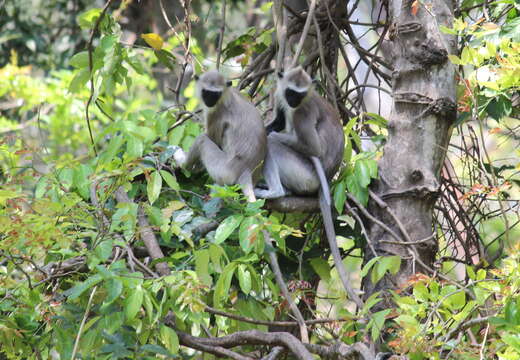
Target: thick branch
column 146, row 233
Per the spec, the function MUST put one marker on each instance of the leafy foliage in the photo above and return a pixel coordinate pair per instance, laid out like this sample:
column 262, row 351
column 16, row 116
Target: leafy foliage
column 76, row 279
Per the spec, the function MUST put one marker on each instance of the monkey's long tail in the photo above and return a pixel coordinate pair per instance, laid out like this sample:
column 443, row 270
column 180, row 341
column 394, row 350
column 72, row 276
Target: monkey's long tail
column 323, row 179
column 326, row 213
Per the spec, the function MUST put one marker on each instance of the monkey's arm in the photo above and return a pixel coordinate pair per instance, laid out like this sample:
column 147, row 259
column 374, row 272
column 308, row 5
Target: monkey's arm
column 303, row 139
column 190, row 160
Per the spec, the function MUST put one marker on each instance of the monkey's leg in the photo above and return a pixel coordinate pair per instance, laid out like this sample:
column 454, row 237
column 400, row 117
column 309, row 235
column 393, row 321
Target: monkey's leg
column 246, row 181
column 223, row 169
column 272, row 175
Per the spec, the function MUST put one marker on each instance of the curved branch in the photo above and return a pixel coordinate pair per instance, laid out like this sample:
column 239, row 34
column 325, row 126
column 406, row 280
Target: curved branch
column 249, row 337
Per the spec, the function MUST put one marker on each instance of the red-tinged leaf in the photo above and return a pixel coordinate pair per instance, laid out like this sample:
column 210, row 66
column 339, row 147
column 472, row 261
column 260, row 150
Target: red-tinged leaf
column 415, row 7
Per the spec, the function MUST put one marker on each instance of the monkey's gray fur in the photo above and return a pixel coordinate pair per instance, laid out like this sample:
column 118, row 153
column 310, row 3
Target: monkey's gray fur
column 312, row 129
column 234, row 143
column 306, row 154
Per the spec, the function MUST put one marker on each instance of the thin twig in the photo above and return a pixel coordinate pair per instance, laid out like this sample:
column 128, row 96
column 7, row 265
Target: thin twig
column 305, row 32
column 222, row 29
column 83, row 321
column 91, row 70
column 285, row 292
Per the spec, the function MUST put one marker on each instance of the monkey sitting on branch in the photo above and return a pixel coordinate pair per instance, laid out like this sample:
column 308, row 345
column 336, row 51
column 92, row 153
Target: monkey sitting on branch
column 234, row 143
column 305, row 148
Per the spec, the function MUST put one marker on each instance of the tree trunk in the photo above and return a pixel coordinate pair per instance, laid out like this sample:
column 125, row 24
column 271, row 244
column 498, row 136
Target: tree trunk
column 419, row 128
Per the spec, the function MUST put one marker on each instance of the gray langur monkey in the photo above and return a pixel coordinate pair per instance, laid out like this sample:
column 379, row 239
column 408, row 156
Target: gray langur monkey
column 305, row 148
column 305, row 143
column 233, row 146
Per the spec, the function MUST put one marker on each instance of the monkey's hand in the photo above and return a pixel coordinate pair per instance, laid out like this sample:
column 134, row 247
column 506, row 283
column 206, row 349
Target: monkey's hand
column 179, row 156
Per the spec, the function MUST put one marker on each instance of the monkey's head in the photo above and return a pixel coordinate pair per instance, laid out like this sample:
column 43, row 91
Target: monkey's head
column 211, row 86
column 294, row 84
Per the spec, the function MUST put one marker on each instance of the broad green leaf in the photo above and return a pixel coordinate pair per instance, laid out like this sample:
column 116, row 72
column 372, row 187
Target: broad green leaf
column 202, row 266
column 372, row 166
column 244, row 279
column 378, row 320
column 362, row 173
column 134, row 147
column 456, row 301
column 248, row 233
column 420, row 291
column 169, row 339
column 81, row 180
column 87, row 19
column 153, row 188
column 76, row 291
column 79, row 60
column 133, row 303
column 386, row 264
column 322, row 268
column 170, row 180
column 368, row 265
column 223, row 284
column 226, row 228
column 79, row 80
column 340, row 196
column 114, row 288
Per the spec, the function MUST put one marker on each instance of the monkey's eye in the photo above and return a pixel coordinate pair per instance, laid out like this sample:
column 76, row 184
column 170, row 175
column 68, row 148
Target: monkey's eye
column 294, row 98
column 210, row 98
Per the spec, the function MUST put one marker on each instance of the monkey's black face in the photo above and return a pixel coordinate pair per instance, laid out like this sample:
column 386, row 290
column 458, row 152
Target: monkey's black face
column 210, row 98
column 294, row 98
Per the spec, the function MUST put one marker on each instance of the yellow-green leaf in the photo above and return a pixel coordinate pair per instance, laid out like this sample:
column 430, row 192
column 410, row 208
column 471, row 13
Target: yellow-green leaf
column 154, row 40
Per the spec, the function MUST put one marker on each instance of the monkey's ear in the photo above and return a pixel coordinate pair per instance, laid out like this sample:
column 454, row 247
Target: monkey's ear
column 229, row 83
column 315, row 81
column 196, row 77
column 280, row 74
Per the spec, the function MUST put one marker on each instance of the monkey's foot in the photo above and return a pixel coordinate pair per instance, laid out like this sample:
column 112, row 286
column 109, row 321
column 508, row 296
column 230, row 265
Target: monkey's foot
column 179, row 156
column 269, row 194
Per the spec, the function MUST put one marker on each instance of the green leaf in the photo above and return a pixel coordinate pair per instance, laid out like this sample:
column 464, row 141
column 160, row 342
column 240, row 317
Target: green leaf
column 370, row 302
column 457, row 300
column 420, row 291
column 386, row 264
column 372, row 166
column 165, row 58
column 248, row 233
column 362, row 173
column 447, row 30
column 153, row 188
column 104, row 249
column 134, row 147
column 171, row 181
column 244, row 279
column 169, row 339
column 76, row 291
column 79, row 80
column 133, row 303
column 322, row 268
column 368, row 265
column 378, row 320
column 499, row 107
column 226, row 228
column 202, row 266
column 223, row 284
column 81, row 180
column 360, row 193
column 114, row 288
column 79, row 60
column 340, row 196
column 512, row 312
column 87, row 19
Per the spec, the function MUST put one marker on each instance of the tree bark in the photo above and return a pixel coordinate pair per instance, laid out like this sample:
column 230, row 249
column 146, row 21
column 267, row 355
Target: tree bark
column 419, row 129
